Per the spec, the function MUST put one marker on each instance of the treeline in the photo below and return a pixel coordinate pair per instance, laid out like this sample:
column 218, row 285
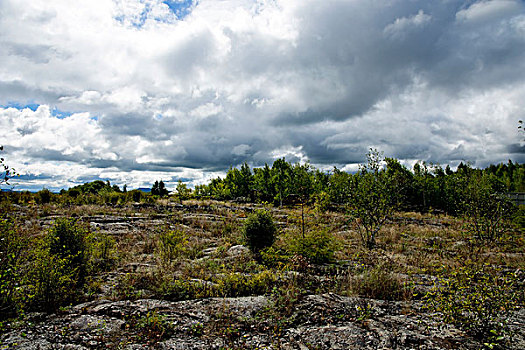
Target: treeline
column 425, row 187
column 95, row 192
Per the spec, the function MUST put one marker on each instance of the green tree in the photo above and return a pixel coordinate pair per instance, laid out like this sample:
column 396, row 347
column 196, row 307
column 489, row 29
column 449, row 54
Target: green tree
column 262, row 183
column 487, row 209
column 372, row 199
column 159, row 189
column 183, row 192
column 280, row 179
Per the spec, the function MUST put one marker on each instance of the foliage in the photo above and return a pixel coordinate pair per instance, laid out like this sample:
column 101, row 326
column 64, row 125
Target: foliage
column 373, row 200
column 488, row 212
column 171, row 244
column 183, row 192
column 67, row 240
column 229, row 284
column 51, row 282
column 159, row 189
column 101, row 251
column 259, row 230
column 476, row 299
column 317, row 246
column 153, row 326
column 44, row 196
column 12, row 250
column 6, row 173
column 59, row 267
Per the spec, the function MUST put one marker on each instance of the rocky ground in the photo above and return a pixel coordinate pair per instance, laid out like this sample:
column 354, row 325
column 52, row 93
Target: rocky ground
column 271, row 321
column 324, row 321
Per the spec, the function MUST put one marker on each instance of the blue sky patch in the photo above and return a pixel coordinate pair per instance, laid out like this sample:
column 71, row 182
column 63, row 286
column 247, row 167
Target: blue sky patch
column 180, row 8
column 21, row 106
column 55, row 112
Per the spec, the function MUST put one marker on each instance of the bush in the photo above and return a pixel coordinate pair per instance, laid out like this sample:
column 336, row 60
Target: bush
column 59, row 267
column 67, row 240
column 43, row 196
column 51, row 282
column 171, row 245
column 475, row 299
column 12, row 249
column 101, row 251
column 259, row 231
column 316, row 246
column 487, row 211
column 236, row 284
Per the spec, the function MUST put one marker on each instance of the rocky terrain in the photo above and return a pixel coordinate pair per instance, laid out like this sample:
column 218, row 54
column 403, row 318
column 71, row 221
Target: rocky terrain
column 322, row 313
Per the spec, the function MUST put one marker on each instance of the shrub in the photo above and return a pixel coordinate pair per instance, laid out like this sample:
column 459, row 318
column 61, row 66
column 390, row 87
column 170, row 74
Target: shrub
column 59, row 267
column 476, row 299
column 259, row 231
column 44, row 196
column 51, row 282
column 12, row 249
column 316, row 246
column 153, row 326
column 488, row 212
column 101, row 251
column 272, row 257
column 373, row 200
column 171, row 245
column 236, row 284
column 67, row 240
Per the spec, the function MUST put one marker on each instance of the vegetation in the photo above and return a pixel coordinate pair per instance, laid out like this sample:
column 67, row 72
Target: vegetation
column 477, row 299
column 159, row 189
column 6, row 173
column 259, row 231
column 449, row 238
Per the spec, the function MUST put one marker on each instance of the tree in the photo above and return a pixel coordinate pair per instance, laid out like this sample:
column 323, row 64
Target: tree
column 372, row 199
column 159, row 189
column 487, row 209
column 281, row 178
column 183, row 192
column 155, row 188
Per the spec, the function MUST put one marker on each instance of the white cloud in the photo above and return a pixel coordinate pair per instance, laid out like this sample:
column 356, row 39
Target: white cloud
column 149, row 91
column 489, row 10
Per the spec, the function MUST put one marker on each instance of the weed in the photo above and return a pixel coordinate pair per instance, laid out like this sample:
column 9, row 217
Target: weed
column 477, row 299
column 378, row 283
column 171, row 245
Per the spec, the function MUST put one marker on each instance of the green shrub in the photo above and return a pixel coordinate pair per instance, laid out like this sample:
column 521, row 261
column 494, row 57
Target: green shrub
column 67, row 240
column 101, row 251
column 58, row 271
column 13, row 246
column 237, row 284
column 259, row 231
column 488, row 212
column 51, row 282
column 475, row 299
column 153, row 326
column 317, row 246
column 171, row 244
column 273, row 257
column 43, row 196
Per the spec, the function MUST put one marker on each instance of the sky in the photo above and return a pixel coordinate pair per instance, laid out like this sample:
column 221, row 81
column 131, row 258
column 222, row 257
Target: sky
column 134, row 91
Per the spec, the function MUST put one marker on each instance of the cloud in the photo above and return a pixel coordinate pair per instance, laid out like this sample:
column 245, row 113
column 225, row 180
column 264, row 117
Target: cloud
column 138, row 89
